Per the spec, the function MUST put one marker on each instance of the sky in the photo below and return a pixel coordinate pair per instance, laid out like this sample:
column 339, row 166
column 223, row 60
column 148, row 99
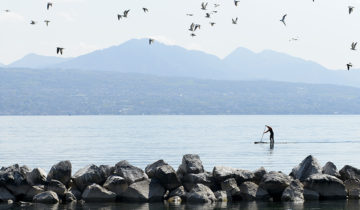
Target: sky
column 324, row 28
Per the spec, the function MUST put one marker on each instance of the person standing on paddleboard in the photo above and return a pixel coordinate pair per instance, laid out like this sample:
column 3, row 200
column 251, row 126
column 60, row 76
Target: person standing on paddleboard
column 269, row 129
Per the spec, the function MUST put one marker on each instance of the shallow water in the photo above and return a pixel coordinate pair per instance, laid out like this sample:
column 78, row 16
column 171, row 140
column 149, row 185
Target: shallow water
column 326, row 205
column 41, row 141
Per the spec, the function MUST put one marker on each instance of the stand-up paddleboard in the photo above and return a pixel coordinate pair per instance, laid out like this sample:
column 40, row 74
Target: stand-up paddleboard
column 260, row 142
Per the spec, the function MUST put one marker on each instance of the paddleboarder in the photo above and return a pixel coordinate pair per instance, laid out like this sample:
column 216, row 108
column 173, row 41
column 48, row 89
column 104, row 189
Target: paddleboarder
column 269, row 129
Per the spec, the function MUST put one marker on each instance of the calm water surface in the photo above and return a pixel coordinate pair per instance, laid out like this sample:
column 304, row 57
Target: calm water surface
column 41, row 141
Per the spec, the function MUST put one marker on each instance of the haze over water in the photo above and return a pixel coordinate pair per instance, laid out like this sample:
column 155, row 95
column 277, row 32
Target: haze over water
column 41, row 141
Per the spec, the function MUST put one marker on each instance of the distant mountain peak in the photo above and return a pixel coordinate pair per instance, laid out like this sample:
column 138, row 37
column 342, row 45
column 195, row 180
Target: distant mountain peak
column 33, row 60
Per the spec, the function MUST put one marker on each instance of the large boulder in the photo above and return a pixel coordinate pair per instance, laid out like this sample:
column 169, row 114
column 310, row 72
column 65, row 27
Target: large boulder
column 36, row 177
column 190, row 180
column 61, row 171
column 144, row 191
column 5, row 195
column 116, row 184
column 96, row 193
column 259, row 174
column 294, row 192
column 129, row 172
column 250, row 191
column 69, row 197
column 180, row 191
column 328, row 187
column 221, row 173
column 88, row 175
column 56, row 186
column 14, row 178
column 306, row 168
column 167, row 177
column 330, row 168
column 151, row 168
column 106, row 170
column 34, row 190
column 201, row 194
column 191, row 163
column 349, row 172
column 352, row 187
column 231, row 187
column 222, row 196
column 47, row 197
column 275, row 183
column 310, row 195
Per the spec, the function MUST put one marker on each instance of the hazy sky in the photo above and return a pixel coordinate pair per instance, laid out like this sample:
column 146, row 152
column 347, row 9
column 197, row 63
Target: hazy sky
column 325, row 29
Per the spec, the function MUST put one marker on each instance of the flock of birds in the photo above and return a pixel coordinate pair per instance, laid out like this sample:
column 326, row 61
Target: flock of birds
column 194, row 26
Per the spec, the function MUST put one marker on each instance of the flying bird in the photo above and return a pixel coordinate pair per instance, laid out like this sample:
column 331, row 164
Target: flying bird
column 351, row 9
column 59, row 50
column 47, row 22
column 204, row 5
column 151, row 41
column 207, row 15
column 283, row 19
column 212, row 23
column 145, row 10
column 216, row 5
column 234, row 21
column 190, row 14
column 236, row 2
column 192, row 26
column 353, row 46
column 119, row 16
column 7, row 10
column 49, row 4
column 349, row 65
column 33, row 22
column 192, row 34
column 197, row 26
column 126, row 12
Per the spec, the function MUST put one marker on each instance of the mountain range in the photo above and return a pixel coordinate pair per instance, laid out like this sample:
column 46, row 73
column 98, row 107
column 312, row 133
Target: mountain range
column 136, row 56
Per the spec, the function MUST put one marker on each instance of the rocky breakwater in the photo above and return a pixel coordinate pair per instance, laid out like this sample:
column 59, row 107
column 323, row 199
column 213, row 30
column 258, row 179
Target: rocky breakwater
column 189, row 183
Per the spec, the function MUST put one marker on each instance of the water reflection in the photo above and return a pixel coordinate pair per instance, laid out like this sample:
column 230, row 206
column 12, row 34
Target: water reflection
column 325, row 205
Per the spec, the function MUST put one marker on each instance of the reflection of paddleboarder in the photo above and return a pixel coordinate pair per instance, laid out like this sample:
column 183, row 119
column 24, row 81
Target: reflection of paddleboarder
column 269, row 129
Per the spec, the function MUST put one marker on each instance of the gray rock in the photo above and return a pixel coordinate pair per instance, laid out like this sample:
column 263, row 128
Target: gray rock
column 222, row 196
column 221, row 173
column 190, row 180
column 106, row 170
column 61, row 171
column 330, row 168
column 36, row 177
column 14, row 179
column 191, row 163
column 294, row 193
column 69, row 197
column 259, row 174
column 349, row 172
column 34, row 190
column 129, row 172
column 5, row 195
column 76, row 192
column 250, row 191
column 310, row 195
column 167, row 177
column 201, row 194
column 306, row 168
column 352, row 187
column 275, row 183
column 89, row 175
column 57, row 187
column 231, row 186
column 116, row 184
column 47, row 197
column 144, row 191
column 328, row 187
column 180, row 191
column 96, row 193
column 151, row 168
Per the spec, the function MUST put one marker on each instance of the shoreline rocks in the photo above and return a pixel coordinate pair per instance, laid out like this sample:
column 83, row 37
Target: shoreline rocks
column 190, row 183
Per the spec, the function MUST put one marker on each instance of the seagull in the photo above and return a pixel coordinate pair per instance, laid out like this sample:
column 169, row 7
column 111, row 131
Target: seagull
column 126, row 12
column 283, row 19
column 212, row 23
column 197, row 26
column 190, row 14
column 353, row 46
column 49, row 4
column 145, row 10
column 59, row 50
column 234, row 21
column 151, row 41
column 192, row 27
column 293, row 39
column 216, row 5
column 204, row 5
column 33, row 22
column 7, row 10
column 349, row 65
column 119, row 16
column 236, row 2
column 351, row 9
column 192, row 34
column 47, row 22
column 215, row 11
column 207, row 15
